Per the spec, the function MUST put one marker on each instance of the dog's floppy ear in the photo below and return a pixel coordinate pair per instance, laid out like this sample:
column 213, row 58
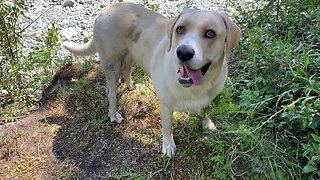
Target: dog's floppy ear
column 171, row 25
column 233, row 35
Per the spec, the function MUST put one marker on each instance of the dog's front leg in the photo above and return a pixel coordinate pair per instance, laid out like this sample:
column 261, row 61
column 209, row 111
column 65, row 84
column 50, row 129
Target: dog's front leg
column 168, row 145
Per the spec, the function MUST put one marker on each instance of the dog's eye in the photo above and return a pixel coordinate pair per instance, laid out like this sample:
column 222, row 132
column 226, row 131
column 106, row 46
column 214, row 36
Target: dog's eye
column 180, row 30
column 210, row 34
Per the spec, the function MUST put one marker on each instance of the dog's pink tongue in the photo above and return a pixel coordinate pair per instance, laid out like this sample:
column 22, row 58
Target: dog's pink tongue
column 195, row 75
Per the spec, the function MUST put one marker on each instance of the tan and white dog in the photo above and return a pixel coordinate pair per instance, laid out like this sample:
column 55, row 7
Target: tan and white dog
column 186, row 57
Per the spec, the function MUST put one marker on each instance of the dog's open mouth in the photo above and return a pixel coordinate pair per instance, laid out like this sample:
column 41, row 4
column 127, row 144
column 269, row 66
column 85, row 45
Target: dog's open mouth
column 188, row 76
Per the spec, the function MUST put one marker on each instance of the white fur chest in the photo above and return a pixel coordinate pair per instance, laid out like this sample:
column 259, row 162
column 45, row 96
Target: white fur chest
column 181, row 99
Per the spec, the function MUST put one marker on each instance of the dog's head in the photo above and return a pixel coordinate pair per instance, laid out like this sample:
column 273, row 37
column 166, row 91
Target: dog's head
column 198, row 39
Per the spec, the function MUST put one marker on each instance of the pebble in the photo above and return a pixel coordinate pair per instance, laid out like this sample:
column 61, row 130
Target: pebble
column 68, row 33
column 68, row 4
column 74, row 19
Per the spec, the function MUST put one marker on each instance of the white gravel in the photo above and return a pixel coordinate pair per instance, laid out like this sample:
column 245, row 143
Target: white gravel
column 75, row 23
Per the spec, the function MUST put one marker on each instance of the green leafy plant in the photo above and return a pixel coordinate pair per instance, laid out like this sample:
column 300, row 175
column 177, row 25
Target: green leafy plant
column 152, row 6
column 186, row 4
column 10, row 48
column 275, row 92
column 24, row 72
column 139, row 76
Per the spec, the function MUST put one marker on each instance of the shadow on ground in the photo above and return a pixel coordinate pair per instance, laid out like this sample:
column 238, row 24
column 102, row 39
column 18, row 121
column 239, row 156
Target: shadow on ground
column 87, row 143
column 82, row 143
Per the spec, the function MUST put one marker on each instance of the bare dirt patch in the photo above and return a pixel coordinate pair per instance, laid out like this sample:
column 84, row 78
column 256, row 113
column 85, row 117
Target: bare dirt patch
column 25, row 148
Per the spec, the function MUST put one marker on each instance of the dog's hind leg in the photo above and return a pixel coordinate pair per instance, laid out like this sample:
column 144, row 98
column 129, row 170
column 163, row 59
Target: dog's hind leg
column 111, row 67
column 126, row 70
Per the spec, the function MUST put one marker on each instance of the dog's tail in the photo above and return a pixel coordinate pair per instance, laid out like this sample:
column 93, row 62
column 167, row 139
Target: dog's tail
column 80, row 50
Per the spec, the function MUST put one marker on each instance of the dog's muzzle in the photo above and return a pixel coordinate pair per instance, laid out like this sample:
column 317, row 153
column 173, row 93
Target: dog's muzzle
column 188, row 76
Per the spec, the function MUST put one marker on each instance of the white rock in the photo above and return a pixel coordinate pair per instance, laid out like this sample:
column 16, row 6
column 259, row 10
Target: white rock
column 69, row 33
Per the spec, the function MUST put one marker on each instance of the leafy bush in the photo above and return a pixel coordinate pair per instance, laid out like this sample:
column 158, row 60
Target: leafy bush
column 152, row 6
column 275, row 99
column 10, row 48
column 23, row 73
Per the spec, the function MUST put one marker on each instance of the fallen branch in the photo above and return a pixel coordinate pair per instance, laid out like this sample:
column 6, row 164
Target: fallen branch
column 23, row 29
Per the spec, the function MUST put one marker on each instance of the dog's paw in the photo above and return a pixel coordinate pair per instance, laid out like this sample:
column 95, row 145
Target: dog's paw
column 209, row 124
column 169, row 150
column 116, row 118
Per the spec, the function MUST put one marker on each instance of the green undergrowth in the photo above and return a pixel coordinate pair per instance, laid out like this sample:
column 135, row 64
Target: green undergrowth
column 269, row 110
column 24, row 71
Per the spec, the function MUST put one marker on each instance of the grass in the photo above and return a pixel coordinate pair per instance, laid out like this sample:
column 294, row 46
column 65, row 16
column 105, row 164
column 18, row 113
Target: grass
column 89, row 133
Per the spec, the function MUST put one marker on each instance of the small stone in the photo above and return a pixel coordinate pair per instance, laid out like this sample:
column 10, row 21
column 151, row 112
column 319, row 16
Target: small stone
column 45, row 4
column 258, row 170
column 69, row 33
column 81, row 1
column 68, row 4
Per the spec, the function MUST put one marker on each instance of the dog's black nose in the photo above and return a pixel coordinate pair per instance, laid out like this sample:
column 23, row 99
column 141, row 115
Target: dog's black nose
column 185, row 53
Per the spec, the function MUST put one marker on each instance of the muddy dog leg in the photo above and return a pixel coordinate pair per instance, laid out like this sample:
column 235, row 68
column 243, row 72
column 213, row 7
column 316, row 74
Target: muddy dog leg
column 111, row 67
column 126, row 70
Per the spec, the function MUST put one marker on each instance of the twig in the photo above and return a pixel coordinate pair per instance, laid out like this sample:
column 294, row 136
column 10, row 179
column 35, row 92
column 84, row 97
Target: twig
column 280, row 96
column 290, row 105
column 167, row 164
column 23, row 29
column 156, row 172
column 39, row 145
column 268, row 120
